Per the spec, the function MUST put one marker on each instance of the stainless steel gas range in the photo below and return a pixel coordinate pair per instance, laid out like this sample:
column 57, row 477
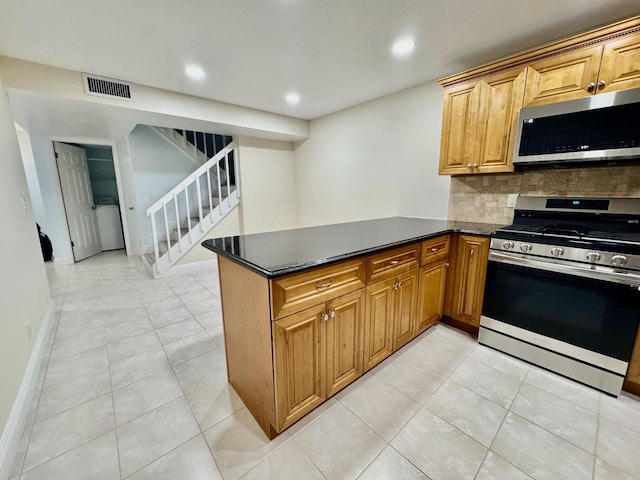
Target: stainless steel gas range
column 563, row 287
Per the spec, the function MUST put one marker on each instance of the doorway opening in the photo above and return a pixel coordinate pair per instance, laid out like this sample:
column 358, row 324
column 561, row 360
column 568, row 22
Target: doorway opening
column 90, row 197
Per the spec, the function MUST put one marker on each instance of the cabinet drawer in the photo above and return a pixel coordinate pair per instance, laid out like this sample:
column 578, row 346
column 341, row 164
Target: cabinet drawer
column 296, row 292
column 435, row 249
column 392, row 262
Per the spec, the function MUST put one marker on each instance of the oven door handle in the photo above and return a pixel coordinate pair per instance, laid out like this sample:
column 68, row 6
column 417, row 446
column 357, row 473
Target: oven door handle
column 595, row 272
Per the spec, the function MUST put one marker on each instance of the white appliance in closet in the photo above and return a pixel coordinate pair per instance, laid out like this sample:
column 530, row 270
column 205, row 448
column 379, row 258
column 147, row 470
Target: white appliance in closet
column 109, row 224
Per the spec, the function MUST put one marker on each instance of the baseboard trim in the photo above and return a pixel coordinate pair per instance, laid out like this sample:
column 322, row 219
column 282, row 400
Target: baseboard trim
column 12, row 434
column 190, row 267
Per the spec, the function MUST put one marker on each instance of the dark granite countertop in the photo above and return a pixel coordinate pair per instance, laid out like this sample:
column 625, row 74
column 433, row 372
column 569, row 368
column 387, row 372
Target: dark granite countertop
column 275, row 254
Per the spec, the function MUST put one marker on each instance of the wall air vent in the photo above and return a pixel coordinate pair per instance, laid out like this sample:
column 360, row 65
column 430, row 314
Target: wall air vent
column 106, row 87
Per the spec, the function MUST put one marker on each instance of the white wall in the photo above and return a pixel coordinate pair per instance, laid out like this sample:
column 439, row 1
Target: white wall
column 56, row 220
column 158, row 166
column 24, row 290
column 267, row 170
column 374, row 160
column 29, row 163
column 267, row 182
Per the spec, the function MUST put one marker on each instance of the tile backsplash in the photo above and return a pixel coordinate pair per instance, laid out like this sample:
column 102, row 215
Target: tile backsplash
column 483, row 198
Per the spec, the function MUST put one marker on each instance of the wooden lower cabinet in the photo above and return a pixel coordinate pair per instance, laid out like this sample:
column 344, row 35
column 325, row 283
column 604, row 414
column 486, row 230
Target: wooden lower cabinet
column 378, row 327
column 431, row 295
column 343, row 334
column 632, row 380
column 284, row 366
column 317, row 352
column 299, row 354
column 390, row 316
column 404, row 315
column 465, row 285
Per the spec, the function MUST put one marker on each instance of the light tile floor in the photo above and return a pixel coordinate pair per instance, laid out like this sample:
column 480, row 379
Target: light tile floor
column 134, row 386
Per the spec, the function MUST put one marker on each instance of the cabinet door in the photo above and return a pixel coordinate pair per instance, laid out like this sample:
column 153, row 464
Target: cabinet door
column 404, row 316
column 632, row 379
column 378, row 325
column 299, row 365
column 501, row 98
column 431, row 295
column 459, row 123
column 620, row 68
column 471, row 269
column 344, row 340
column 563, row 77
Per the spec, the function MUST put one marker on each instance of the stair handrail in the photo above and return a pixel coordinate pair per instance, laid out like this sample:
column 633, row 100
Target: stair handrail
column 191, row 178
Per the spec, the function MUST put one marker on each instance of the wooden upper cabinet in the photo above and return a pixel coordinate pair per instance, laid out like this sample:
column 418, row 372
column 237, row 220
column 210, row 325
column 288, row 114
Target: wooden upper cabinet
column 479, row 124
column 620, row 67
column 459, row 125
column 501, row 98
column 563, row 77
column 481, row 106
column 614, row 65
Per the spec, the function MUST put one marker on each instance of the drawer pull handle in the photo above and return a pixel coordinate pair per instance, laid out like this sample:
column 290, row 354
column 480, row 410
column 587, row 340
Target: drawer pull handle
column 324, row 285
column 435, row 249
column 394, row 262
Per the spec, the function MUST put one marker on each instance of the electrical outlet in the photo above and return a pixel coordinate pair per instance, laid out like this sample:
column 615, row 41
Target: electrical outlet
column 511, row 200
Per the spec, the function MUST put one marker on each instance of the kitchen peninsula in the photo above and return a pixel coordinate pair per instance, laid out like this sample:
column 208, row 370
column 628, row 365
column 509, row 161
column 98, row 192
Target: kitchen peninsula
column 307, row 311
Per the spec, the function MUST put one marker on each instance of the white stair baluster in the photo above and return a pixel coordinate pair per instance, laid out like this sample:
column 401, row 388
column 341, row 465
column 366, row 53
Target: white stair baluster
column 166, row 226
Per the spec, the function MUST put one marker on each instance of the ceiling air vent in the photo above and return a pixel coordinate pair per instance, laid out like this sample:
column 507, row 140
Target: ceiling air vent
column 106, row 87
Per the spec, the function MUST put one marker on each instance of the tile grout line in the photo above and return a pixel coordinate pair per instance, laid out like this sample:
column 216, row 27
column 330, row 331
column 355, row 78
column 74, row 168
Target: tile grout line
column 182, row 389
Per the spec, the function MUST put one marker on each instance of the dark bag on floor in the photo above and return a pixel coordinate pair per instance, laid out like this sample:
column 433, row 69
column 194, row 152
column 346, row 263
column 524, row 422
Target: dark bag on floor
column 45, row 245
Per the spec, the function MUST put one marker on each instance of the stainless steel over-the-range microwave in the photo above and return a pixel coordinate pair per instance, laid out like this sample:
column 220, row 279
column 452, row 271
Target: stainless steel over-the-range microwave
column 599, row 128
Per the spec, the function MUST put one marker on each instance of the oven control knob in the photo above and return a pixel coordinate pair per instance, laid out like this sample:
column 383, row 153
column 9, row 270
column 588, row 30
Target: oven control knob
column 557, row 251
column 526, row 247
column 593, row 256
column 508, row 245
column 618, row 260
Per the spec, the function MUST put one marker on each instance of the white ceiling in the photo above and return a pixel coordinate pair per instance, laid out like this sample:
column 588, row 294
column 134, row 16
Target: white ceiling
column 334, row 53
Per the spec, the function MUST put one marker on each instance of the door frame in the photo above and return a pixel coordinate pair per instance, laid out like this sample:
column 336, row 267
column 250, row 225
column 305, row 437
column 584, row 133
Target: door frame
column 122, row 200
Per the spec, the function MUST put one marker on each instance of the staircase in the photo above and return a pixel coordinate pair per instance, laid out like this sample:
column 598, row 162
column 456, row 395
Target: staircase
column 181, row 218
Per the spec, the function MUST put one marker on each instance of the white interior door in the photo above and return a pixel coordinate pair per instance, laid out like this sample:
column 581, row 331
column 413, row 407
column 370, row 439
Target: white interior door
column 78, row 200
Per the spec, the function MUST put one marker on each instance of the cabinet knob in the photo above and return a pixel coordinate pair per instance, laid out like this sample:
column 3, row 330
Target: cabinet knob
column 324, row 285
column 325, row 317
column 447, row 264
column 475, row 165
column 332, row 313
column 591, row 86
column 601, row 84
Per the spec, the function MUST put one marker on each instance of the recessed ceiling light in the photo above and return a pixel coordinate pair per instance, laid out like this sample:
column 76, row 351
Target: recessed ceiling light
column 292, row 98
column 403, row 47
column 194, row 72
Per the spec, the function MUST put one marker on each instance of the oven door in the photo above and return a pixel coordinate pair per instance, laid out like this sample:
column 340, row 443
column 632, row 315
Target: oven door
column 574, row 310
